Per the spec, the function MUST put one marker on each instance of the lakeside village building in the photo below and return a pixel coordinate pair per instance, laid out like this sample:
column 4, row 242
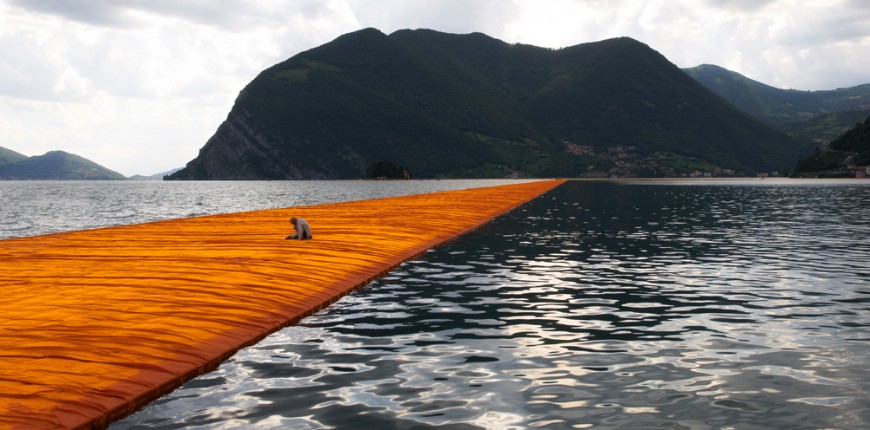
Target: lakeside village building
column 861, row 171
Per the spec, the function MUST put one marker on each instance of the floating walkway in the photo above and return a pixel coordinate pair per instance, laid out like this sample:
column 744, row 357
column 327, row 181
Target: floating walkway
column 95, row 324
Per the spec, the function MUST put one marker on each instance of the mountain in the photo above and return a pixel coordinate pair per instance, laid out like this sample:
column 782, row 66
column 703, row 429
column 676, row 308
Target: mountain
column 447, row 105
column 847, row 152
column 8, row 156
column 156, row 176
column 824, row 128
column 55, row 165
column 811, row 115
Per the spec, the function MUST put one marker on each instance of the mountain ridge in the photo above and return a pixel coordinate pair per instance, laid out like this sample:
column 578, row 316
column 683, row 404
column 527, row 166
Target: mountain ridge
column 447, row 105
column 53, row 165
column 8, row 156
column 818, row 116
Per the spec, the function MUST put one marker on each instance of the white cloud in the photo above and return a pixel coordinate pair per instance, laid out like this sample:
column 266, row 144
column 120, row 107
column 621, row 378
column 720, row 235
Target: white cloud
column 140, row 85
column 451, row 16
column 129, row 135
column 810, row 45
column 139, row 89
column 88, row 11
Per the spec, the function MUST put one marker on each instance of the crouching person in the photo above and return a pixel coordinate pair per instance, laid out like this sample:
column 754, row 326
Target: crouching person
column 303, row 230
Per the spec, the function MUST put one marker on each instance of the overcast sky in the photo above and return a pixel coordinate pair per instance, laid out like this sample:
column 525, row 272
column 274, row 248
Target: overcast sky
column 139, row 86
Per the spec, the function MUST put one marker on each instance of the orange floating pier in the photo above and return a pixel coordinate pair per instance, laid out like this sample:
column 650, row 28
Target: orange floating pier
column 95, row 324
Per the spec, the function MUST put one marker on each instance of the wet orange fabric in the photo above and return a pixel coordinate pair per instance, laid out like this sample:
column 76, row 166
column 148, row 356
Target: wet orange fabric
column 94, row 324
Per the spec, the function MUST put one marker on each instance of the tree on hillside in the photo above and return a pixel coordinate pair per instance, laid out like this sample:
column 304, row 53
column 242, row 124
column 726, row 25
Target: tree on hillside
column 856, row 140
column 852, row 148
column 387, row 170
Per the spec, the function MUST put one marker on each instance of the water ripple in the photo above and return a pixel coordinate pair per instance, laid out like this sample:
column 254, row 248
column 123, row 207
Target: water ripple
column 599, row 305
column 29, row 208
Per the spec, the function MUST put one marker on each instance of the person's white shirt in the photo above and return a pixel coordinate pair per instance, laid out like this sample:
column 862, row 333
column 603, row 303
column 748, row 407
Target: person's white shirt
column 303, row 229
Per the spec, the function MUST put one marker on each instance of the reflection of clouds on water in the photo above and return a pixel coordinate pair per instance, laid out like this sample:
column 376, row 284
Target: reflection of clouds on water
column 597, row 305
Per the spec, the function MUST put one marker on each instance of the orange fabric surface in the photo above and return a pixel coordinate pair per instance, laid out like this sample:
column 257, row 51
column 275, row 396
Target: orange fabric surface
column 94, row 324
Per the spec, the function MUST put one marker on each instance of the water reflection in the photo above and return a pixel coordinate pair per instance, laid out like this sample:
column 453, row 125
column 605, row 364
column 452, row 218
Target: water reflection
column 600, row 305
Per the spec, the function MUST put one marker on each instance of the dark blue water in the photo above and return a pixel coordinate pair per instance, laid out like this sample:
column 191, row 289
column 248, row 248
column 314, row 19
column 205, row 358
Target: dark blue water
column 598, row 305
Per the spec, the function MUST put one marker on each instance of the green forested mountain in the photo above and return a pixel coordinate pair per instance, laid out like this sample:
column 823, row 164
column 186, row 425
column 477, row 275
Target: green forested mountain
column 8, row 156
column 54, row 165
column 850, row 150
column 823, row 128
column 446, row 105
column 810, row 115
column 856, row 140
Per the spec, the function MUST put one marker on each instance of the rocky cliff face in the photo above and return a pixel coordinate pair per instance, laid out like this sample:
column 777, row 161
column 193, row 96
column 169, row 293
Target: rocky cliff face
column 243, row 149
column 448, row 105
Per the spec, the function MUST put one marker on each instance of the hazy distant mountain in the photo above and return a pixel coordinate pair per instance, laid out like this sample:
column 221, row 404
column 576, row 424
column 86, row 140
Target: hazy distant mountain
column 813, row 115
column 8, row 156
column 54, row 165
column 445, row 105
column 156, row 176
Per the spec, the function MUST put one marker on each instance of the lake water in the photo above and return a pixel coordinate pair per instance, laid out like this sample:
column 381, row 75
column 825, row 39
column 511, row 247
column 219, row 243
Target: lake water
column 29, row 208
column 682, row 305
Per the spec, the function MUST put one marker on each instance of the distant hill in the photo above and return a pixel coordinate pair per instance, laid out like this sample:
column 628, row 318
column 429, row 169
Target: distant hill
column 846, row 152
column 811, row 115
column 8, row 156
column 824, row 128
column 156, row 176
column 446, row 105
column 54, row 165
